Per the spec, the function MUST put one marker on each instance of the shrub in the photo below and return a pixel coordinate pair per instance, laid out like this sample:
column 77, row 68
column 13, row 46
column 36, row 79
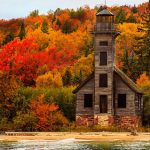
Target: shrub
column 25, row 122
column 49, row 116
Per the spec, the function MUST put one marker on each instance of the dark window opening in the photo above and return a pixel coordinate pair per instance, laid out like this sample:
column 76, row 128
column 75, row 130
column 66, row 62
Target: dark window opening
column 103, row 80
column 103, row 43
column 121, row 100
column 103, row 58
column 139, row 101
column 88, row 100
column 103, row 103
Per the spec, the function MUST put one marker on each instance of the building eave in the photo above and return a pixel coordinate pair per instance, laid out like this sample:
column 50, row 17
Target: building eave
column 91, row 76
column 127, row 80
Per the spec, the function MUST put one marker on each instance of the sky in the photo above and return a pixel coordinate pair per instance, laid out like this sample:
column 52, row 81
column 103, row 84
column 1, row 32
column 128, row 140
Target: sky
column 21, row 8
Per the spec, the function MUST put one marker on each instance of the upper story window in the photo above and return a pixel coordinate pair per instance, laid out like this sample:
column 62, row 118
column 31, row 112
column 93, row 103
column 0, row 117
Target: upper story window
column 121, row 100
column 103, row 80
column 88, row 100
column 103, row 58
column 103, row 43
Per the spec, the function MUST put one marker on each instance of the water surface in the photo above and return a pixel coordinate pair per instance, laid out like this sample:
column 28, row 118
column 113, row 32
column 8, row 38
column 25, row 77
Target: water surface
column 72, row 144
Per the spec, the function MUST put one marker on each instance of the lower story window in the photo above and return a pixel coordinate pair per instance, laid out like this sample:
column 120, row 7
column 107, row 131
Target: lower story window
column 121, row 100
column 88, row 100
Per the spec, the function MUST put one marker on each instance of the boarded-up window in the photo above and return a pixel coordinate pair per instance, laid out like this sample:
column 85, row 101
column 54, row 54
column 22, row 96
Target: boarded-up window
column 103, row 58
column 121, row 100
column 139, row 101
column 103, row 80
column 103, row 43
column 103, row 103
column 88, row 100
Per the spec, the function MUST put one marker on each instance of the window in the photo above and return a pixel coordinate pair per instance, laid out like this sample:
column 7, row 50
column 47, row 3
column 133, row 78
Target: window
column 103, row 103
column 139, row 101
column 121, row 100
column 88, row 100
column 103, row 43
column 103, row 58
column 103, row 80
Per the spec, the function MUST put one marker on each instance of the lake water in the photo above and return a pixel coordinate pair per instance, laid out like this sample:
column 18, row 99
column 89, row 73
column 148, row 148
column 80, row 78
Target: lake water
column 72, row 144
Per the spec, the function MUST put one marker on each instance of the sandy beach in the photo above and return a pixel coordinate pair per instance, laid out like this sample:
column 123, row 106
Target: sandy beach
column 91, row 136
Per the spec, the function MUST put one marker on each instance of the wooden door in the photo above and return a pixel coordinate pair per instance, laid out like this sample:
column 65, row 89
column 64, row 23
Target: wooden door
column 103, row 104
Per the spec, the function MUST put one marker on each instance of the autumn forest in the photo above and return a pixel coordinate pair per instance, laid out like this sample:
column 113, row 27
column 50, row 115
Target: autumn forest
column 43, row 58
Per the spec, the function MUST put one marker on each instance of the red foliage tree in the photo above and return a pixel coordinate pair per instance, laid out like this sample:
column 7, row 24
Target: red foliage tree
column 19, row 58
column 22, row 58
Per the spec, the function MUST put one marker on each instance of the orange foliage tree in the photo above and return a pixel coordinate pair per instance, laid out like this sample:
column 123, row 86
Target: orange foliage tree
column 144, row 82
column 49, row 117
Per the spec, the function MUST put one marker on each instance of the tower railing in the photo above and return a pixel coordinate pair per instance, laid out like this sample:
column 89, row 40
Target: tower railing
column 104, row 27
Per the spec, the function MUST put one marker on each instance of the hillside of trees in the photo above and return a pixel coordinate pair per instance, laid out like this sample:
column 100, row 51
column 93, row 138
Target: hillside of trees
column 44, row 57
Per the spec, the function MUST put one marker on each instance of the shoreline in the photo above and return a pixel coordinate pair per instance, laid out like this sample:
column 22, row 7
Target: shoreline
column 78, row 136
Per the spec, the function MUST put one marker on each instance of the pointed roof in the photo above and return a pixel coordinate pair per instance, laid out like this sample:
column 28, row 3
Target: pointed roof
column 128, row 81
column 91, row 76
column 104, row 12
column 122, row 75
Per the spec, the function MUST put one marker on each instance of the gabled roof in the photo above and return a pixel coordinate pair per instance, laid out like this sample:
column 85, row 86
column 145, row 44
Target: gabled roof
column 128, row 81
column 91, row 76
column 104, row 12
column 122, row 75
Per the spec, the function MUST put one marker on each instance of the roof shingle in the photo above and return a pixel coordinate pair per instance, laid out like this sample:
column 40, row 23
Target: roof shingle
column 104, row 12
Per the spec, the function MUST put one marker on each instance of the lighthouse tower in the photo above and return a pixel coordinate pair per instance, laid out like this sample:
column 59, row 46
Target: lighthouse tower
column 104, row 43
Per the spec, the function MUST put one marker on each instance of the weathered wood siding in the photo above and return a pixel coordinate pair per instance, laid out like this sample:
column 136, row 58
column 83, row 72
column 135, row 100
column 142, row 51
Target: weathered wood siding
column 122, row 88
column 88, row 88
column 108, row 69
column 138, row 104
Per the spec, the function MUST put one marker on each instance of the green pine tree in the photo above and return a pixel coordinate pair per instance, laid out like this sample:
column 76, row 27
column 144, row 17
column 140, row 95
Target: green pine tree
column 9, row 37
column 131, row 19
column 143, row 44
column 58, row 22
column 121, row 16
column 67, row 78
column 134, row 9
column 44, row 27
column 66, row 28
column 34, row 13
column 22, row 32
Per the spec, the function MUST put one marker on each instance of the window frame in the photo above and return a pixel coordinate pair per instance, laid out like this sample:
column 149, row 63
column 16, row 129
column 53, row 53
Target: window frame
column 88, row 104
column 122, row 101
column 105, row 61
column 101, row 81
column 103, row 43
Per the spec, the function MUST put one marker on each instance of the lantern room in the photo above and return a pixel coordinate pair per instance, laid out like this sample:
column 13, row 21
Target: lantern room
column 104, row 21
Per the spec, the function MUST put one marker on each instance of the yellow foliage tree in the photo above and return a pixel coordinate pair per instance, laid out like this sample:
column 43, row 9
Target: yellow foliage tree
column 42, row 39
column 126, row 57
column 50, row 79
column 84, row 65
column 126, row 40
